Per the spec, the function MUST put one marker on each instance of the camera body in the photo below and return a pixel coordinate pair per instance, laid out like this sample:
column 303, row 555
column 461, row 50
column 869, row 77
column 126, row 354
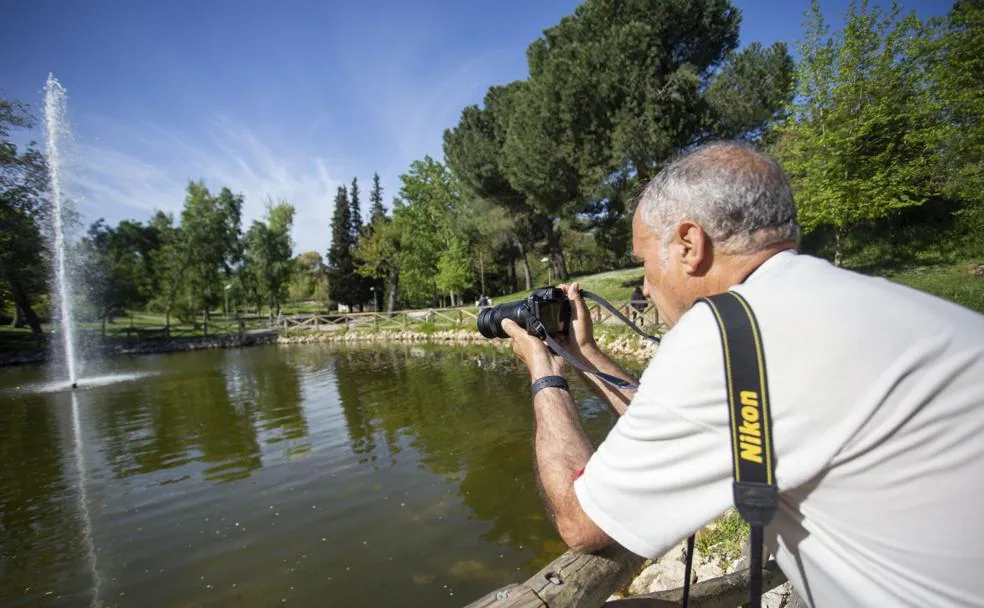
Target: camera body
column 546, row 311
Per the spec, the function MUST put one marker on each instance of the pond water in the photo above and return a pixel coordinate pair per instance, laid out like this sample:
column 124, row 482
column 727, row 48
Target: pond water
column 304, row 475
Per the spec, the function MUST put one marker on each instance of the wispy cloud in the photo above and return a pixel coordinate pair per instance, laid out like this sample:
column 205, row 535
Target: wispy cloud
column 135, row 169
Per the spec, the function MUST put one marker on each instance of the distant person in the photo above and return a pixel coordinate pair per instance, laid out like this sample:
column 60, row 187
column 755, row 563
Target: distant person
column 638, row 303
column 484, row 301
column 875, row 394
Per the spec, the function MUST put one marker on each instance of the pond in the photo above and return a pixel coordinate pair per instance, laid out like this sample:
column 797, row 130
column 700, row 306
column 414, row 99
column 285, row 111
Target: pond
column 305, row 475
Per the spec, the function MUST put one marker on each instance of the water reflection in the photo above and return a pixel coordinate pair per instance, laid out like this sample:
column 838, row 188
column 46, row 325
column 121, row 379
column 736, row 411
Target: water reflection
column 270, row 474
column 34, row 513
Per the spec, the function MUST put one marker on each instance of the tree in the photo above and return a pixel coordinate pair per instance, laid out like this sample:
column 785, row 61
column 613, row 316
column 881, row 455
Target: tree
column 424, row 216
column 376, row 201
column 862, row 139
column 198, row 257
column 211, row 230
column 956, row 65
column 341, row 267
column 23, row 190
column 267, row 256
column 379, row 255
column 307, row 276
column 356, row 216
column 116, row 267
column 454, row 270
column 474, row 152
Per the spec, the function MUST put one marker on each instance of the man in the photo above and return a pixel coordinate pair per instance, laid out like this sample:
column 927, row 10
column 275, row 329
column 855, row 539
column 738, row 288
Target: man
column 877, row 399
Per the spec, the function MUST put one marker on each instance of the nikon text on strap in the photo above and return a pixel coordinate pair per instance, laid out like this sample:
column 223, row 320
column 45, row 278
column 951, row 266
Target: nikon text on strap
column 756, row 494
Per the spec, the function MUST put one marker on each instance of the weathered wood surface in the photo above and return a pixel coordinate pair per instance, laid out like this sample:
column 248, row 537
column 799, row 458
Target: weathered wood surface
column 723, row 592
column 576, row 580
column 573, row 580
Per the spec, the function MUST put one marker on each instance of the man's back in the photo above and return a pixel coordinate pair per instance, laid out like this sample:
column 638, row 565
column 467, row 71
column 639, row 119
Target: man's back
column 877, row 399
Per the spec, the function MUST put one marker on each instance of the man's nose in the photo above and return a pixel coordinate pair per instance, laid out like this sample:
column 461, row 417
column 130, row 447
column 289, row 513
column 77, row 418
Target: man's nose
column 645, row 286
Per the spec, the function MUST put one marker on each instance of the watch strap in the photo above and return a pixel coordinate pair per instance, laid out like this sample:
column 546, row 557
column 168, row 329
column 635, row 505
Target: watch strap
column 548, row 382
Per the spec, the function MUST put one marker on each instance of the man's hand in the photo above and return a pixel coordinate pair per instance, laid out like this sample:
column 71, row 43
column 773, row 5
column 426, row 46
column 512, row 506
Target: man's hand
column 580, row 336
column 533, row 351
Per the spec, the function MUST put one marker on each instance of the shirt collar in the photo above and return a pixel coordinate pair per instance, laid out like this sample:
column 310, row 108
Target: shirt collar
column 773, row 262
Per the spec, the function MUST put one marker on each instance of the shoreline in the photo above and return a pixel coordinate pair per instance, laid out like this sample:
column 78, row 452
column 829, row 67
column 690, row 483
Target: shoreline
column 615, row 345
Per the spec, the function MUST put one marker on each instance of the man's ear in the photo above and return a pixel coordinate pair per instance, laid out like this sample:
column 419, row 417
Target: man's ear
column 693, row 246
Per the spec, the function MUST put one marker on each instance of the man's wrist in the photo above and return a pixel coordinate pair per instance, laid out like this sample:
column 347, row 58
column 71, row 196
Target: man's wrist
column 552, row 381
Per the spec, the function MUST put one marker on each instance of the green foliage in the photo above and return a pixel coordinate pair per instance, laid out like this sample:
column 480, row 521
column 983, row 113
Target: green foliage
column 23, row 191
column 423, row 218
column 863, row 137
column 343, row 282
column 268, row 265
column 377, row 211
column 454, row 273
column 723, row 539
column 209, row 240
column 117, row 267
column 957, row 62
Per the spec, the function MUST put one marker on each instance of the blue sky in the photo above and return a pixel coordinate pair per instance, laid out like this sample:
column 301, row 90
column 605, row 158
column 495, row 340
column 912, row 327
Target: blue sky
column 280, row 99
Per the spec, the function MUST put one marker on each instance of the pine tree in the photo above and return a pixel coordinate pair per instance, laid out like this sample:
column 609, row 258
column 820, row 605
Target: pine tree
column 376, row 198
column 341, row 267
column 356, row 219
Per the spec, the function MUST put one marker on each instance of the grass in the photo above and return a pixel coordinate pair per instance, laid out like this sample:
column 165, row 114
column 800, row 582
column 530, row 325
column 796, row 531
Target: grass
column 949, row 281
column 723, row 539
column 952, row 282
column 614, row 285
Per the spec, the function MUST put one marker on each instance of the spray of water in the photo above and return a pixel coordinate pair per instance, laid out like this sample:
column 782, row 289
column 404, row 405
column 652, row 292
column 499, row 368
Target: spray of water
column 56, row 128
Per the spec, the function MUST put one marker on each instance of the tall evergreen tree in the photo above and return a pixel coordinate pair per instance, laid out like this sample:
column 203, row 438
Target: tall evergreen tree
column 376, row 199
column 356, row 213
column 341, row 271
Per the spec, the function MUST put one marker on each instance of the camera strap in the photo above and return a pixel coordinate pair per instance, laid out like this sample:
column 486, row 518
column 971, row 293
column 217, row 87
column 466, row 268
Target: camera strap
column 756, row 494
column 610, row 379
column 618, row 314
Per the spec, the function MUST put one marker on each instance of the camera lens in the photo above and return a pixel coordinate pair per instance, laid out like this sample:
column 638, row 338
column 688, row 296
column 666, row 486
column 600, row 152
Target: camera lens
column 488, row 325
column 490, row 319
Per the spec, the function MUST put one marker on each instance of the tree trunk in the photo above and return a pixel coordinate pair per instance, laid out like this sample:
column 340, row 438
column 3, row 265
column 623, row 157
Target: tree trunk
column 104, row 326
column 205, row 322
column 17, row 322
column 512, row 276
column 394, row 291
column 481, row 270
column 24, row 306
column 839, row 246
column 553, row 247
column 526, row 264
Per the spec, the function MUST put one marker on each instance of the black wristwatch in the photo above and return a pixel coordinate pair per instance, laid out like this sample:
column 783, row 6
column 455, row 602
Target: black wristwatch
column 548, row 382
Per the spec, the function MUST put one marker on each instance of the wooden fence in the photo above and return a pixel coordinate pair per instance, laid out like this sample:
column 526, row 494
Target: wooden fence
column 405, row 319
column 577, row 580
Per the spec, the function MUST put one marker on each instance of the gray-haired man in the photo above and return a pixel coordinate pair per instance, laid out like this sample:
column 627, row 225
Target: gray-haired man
column 877, row 401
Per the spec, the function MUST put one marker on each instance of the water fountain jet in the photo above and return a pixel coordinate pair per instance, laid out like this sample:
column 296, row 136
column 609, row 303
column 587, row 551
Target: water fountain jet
column 56, row 131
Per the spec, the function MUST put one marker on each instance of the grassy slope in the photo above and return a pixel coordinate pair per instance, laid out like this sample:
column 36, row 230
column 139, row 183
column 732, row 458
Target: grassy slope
column 952, row 282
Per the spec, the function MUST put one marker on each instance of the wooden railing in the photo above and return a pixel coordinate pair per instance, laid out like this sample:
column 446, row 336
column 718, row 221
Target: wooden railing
column 404, row 319
column 577, row 580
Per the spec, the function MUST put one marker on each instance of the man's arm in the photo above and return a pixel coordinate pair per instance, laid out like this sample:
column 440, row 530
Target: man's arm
column 561, row 452
column 618, row 399
column 560, row 448
column 580, row 343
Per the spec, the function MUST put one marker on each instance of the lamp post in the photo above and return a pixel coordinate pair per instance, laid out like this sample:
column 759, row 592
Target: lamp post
column 372, row 290
column 227, row 288
column 546, row 260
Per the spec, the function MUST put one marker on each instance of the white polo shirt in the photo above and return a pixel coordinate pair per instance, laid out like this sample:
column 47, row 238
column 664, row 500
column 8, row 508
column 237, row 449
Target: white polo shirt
column 877, row 400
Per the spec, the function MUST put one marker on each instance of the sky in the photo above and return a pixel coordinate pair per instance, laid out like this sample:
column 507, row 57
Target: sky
column 280, row 100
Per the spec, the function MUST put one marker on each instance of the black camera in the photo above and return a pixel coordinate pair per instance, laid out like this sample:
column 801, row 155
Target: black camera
column 546, row 311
